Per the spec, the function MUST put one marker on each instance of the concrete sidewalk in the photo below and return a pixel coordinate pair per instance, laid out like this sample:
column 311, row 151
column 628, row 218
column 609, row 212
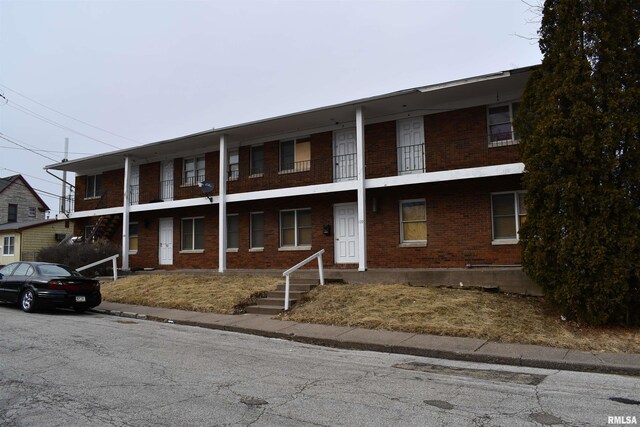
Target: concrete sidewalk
column 469, row 349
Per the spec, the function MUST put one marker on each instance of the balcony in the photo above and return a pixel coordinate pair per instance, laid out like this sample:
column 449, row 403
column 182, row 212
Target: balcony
column 440, row 154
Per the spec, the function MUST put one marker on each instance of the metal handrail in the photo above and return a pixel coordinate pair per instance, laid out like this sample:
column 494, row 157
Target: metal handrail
column 288, row 272
column 112, row 258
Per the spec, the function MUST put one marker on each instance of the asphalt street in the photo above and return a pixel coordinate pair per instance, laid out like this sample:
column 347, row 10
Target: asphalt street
column 66, row 369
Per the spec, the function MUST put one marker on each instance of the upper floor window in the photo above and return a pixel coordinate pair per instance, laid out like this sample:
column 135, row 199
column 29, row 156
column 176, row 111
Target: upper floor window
column 257, row 160
column 413, row 221
column 12, row 213
column 193, row 170
column 295, row 155
column 233, row 159
column 295, row 228
column 500, row 122
column 94, row 186
column 32, row 212
column 508, row 213
column 8, row 245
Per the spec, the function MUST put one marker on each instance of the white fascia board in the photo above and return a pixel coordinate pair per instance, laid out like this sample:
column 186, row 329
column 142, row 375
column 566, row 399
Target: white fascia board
column 292, row 191
column 185, row 203
column 448, row 175
column 96, row 212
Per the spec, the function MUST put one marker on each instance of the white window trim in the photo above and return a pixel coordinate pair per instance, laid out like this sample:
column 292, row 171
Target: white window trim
column 251, row 247
column 255, row 175
column 193, row 229
column 94, row 195
column 296, row 246
column 9, row 236
column 233, row 249
column 295, row 155
column 134, row 251
column 507, row 241
column 229, row 153
column 412, row 243
column 195, row 169
column 502, row 142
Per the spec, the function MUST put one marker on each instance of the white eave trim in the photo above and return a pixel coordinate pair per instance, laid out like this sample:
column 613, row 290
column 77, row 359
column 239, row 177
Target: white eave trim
column 448, row 175
column 392, row 181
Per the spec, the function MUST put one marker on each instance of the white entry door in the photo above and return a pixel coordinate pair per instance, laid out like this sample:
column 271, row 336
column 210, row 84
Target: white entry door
column 166, row 181
column 344, row 155
column 165, row 249
column 345, row 218
column 410, row 146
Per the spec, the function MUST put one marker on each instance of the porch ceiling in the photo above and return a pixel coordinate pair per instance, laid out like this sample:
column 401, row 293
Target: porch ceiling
column 481, row 90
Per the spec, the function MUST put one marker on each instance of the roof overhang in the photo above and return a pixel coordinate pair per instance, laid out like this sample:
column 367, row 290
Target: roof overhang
column 480, row 90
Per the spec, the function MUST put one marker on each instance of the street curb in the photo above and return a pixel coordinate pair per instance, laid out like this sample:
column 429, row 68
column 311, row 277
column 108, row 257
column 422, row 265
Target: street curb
column 466, row 356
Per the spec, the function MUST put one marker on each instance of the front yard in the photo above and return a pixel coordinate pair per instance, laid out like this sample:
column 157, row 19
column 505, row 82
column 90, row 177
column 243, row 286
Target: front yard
column 454, row 312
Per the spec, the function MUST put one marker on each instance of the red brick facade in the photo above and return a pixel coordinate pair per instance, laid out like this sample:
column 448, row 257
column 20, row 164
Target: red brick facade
column 459, row 219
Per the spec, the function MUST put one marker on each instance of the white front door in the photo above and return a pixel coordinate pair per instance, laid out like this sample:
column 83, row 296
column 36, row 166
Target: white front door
column 166, row 181
column 344, row 155
column 165, row 249
column 410, row 146
column 134, row 185
column 345, row 218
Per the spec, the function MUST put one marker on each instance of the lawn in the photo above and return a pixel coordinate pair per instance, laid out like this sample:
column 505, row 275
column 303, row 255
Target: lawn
column 440, row 311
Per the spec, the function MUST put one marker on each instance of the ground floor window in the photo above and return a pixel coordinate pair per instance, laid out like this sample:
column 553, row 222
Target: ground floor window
column 509, row 213
column 8, row 245
column 192, row 234
column 257, row 230
column 233, row 235
column 413, row 221
column 295, row 228
column 133, row 237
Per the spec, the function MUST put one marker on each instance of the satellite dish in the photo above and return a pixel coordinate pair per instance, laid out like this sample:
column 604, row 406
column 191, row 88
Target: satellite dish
column 206, row 187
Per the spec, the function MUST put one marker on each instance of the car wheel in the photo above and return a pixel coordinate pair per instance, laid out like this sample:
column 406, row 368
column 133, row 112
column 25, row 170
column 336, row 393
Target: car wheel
column 28, row 301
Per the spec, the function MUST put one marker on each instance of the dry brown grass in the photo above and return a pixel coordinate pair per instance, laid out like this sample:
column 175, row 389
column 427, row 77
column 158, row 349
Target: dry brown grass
column 464, row 313
column 204, row 293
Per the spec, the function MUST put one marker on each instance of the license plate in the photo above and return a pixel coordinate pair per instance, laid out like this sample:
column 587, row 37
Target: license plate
column 81, row 299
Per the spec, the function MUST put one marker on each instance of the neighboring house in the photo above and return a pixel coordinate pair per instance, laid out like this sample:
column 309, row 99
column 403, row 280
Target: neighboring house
column 23, row 241
column 19, row 202
column 428, row 177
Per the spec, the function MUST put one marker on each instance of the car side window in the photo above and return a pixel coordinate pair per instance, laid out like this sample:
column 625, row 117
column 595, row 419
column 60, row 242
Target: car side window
column 22, row 270
column 30, row 271
column 8, row 269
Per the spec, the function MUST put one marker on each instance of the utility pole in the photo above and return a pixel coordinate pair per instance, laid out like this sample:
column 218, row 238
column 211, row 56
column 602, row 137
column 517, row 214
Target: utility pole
column 63, row 203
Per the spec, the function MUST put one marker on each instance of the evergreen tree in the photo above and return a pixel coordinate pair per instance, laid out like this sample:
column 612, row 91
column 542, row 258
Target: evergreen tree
column 579, row 127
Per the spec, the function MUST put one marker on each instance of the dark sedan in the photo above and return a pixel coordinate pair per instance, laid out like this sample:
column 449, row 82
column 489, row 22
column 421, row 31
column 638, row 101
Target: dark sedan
column 35, row 285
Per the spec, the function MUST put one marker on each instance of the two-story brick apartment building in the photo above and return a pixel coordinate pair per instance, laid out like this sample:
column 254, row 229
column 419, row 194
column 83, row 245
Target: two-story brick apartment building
column 421, row 178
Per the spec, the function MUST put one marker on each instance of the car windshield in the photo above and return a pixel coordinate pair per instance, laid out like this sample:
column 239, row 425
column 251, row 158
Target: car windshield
column 57, row 271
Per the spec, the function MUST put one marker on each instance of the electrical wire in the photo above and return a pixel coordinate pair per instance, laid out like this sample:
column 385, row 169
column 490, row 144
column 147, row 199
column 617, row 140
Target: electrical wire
column 66, row 115
column 30, row 176
column 29, row 112
column 47, row 151
column 3, row 136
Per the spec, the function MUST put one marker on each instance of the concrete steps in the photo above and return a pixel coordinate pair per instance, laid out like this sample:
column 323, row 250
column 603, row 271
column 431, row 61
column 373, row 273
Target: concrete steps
column 273, row 303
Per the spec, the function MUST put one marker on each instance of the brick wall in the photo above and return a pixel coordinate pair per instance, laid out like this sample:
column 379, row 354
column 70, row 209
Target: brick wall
column 458, row 229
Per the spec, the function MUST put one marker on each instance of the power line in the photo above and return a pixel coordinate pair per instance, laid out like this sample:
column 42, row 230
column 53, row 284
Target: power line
column 68, row 116
column 37, row 190
column 31, row 176
column 47, row 151
column 54, row 123
column 3, row 136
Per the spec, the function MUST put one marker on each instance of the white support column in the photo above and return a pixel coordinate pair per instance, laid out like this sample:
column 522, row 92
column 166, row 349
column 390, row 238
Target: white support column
column 125, row 214
column 362, row 195
column 222, row 206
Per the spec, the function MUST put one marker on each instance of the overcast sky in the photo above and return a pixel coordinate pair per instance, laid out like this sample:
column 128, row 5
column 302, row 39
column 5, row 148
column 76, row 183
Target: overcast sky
column 145, row 71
